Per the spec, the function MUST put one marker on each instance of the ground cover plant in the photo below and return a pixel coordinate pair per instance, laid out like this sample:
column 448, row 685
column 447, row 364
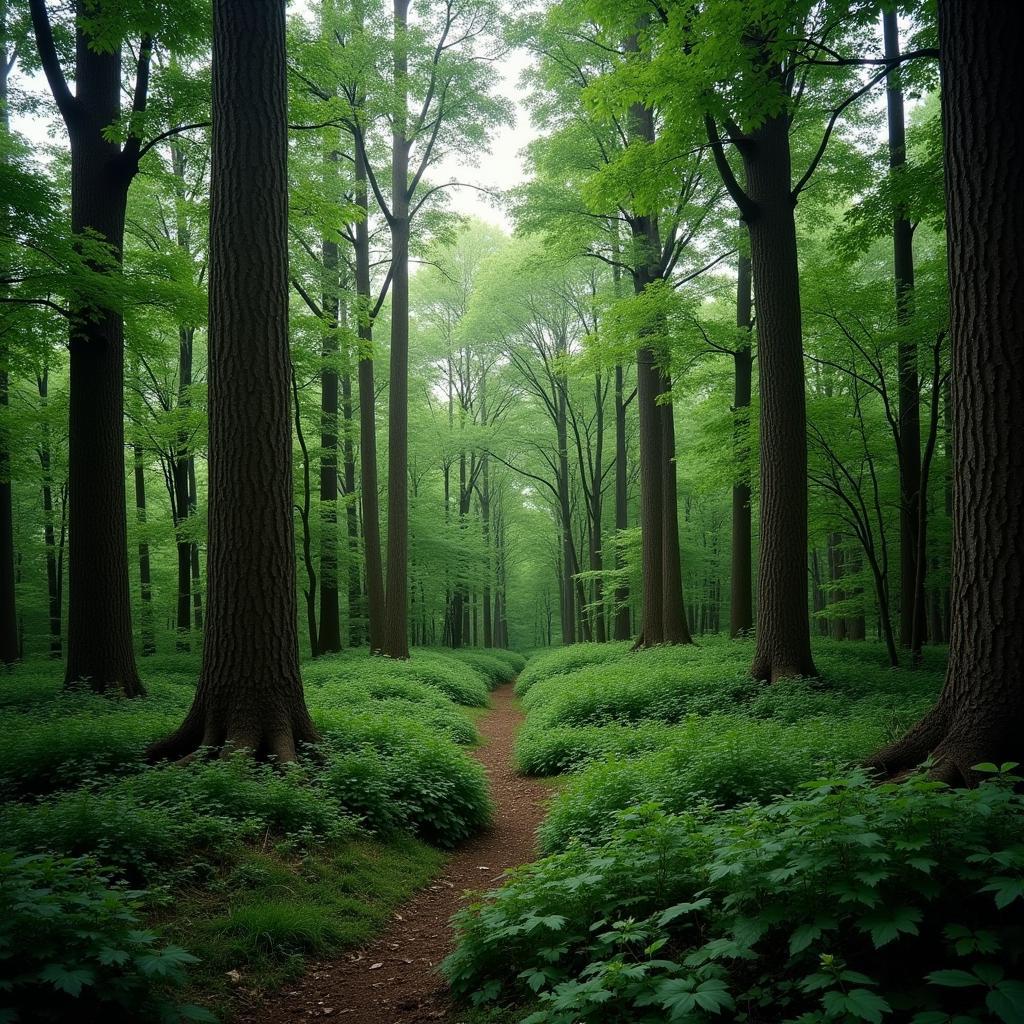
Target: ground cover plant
column 247, row 867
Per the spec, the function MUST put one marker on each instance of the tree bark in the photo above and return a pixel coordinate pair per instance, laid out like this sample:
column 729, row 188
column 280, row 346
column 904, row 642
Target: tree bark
column 99, row 640
column 145, row 574
column 396, row 613
column 909, row 415
column 250, row 691
column 979, row 716
column 621, row 630
column 741, row 611
column 9, row 642
column 329, row 636
column 783, row 623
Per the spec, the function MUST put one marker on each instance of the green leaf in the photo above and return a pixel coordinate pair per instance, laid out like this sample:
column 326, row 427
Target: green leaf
column 70, row 980
column 954, row 979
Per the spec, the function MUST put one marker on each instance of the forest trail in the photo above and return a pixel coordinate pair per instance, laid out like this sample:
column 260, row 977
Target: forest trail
column 394, row 979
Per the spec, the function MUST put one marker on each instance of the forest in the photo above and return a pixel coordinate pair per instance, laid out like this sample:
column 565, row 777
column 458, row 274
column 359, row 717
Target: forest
column 511, row 513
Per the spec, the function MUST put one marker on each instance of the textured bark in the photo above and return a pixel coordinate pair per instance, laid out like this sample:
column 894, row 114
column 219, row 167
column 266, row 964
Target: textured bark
column 783, row 623
column 145, row 573
column 980, row 714
column 675, row 628
column 329, row 637
column 250, row 692
column 53, row 566
column 9, row 646
column 741, row 611
column 396, row 610
column 99, row 640
column 621, row 629
column 368, row 421
column 355, row 603
column 909, row 414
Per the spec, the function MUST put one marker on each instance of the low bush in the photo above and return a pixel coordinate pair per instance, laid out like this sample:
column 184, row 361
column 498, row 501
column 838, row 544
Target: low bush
column 849, row 902
column 561, row 661
column 724, row 761
column 74, row 949
column 489, row 663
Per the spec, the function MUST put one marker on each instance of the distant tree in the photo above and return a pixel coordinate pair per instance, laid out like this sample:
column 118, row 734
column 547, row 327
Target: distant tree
column 250, row 691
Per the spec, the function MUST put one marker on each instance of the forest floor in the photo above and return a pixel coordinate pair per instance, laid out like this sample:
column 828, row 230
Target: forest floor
column 394, row 979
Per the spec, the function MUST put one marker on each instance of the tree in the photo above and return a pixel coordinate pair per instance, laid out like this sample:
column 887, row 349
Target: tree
column 980, row 712
column 102, row 168
column 250, row 691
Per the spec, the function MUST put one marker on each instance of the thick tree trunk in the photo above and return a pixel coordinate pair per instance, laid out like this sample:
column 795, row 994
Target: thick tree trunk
column 329, row 637
column 909, row 452
column 396, row 613
column 741, row 611
column 783, row 624
column 250, row 692
column 980, row 713
column 99, row 639
column 145, row 573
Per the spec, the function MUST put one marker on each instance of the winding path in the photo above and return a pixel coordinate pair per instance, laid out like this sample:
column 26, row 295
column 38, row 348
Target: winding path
column 394, row 979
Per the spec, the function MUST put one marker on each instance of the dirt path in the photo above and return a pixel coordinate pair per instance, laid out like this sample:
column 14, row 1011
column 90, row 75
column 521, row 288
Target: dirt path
column 394, row 979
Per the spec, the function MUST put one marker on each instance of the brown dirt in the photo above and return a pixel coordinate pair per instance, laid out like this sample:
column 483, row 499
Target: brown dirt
column 394, row 979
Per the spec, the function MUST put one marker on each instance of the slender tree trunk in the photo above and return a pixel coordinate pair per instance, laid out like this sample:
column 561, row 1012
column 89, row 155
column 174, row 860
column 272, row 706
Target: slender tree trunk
column 396, row 625
column 909, row 452
column 368, row 422
column 99, row 638
column 145, row 575
column 9, row 643
column 356, row 612
column 783, row 624
column 979, row 716
column 250, row 692
column 565, row 519
column 676, row 629
column 596, row 514
column 741, row 611
column 53, row 567
column 622, row 625
column 197, row 580
column 329, row 638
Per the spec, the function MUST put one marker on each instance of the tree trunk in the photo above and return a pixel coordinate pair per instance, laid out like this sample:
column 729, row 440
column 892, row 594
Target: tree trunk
column 250, row 692
column 980, row 714
column 356, row 612
column 329, row 638
column 145, row 575
column 783, row 624
column 197, row 581
column 9, row 642
column 396, row 625
column 741, row 611
column 596, row 510
column 909, row 451
column 368, row 421
column 676, row 629
column 622, row 626
column 99, row 638
column 53, row 566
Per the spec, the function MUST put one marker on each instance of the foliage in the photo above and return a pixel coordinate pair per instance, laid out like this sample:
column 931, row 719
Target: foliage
column 73, row 948
column 849, row 901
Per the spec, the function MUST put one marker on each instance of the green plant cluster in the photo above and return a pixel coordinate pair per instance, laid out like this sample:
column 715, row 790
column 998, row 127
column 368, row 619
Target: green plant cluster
column 682, row 725
column 72, row 948
column 847, row 902
column 391, row 765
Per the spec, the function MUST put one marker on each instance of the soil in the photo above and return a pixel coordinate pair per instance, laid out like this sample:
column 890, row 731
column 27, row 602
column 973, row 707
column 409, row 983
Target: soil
column 394, row 979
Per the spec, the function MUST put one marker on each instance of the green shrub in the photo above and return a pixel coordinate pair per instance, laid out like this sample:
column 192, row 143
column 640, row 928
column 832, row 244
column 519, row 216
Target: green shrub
column 850, row 902
column 561, row 661
column 394, row 775
column 431, row 668
column 73, row 949
column 495, row 669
